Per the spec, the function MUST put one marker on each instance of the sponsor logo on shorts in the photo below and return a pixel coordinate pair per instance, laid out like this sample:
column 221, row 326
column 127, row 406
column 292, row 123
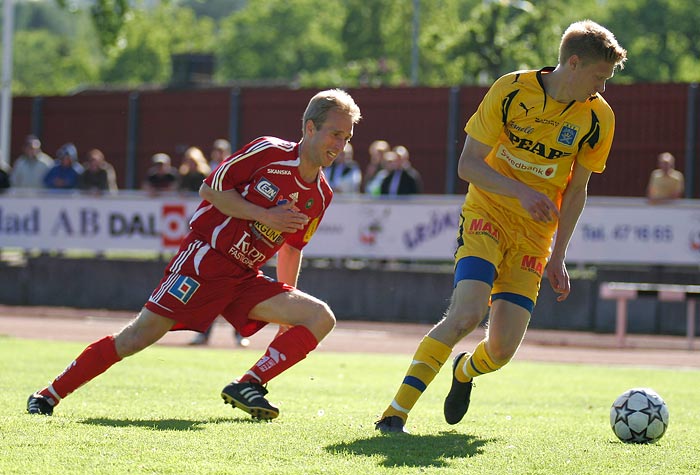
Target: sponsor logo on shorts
column 544, row 171
column 267, row 189
column 480, row 227
column 183, row 288
column 532, row 264
column 568, row 134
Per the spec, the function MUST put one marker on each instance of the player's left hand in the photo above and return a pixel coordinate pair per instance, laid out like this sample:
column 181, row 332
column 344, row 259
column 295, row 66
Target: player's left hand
column 558, row 278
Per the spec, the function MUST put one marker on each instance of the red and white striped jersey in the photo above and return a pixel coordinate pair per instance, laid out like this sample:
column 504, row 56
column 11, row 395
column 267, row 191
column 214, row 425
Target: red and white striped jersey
column 265, row 172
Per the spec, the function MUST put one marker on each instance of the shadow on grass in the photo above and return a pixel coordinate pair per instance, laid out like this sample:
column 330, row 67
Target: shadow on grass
column 166, row 424
column 414, row 450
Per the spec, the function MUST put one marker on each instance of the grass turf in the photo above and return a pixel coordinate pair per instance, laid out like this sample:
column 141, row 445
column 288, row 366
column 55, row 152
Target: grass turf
column 160, row 412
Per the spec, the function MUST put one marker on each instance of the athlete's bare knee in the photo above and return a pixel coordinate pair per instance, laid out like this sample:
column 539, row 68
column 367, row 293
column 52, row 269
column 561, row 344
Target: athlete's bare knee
column 500, row 354
column 464, row 320
column 321, row 320
column 127, row 343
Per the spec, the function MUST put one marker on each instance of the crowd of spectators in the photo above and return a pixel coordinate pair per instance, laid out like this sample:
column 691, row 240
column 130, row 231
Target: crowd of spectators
column 389, row 172
column 34, row 169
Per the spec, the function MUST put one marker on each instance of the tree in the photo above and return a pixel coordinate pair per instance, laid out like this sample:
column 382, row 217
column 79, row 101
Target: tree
column 47, row 65
column 661, row 37
column 280, row 39
column 149, row 38
column 108, row 17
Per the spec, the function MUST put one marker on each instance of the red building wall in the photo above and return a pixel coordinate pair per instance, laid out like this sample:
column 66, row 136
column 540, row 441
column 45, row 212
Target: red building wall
column 650, row 118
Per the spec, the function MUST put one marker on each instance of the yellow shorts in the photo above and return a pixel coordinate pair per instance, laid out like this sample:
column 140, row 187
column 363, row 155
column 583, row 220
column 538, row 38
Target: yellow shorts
column 517, row 252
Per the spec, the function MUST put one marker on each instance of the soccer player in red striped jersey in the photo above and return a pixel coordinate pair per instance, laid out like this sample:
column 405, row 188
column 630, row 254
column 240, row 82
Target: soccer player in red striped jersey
column 530, row 149
column 266, row 199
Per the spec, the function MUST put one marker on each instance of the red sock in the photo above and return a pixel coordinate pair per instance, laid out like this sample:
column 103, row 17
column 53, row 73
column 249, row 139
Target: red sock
column 284, row 352
column 93, row 361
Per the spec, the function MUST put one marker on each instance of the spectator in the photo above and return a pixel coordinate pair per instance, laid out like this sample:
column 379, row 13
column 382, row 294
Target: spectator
column 32, row 166
column 162, row 176
column 66, row 172
column 665, row 183
column 376, row 152
column 99, row 175
column 220, row 149
column 193, row 170
column 401, row 177
column 344, row 175
column 5, row 171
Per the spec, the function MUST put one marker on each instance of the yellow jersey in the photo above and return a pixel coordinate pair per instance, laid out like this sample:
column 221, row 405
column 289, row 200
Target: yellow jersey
column 535, row 139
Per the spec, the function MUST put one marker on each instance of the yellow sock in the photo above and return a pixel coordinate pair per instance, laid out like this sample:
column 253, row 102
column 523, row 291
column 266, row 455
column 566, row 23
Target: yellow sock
column 429, row 358
column 475, row 365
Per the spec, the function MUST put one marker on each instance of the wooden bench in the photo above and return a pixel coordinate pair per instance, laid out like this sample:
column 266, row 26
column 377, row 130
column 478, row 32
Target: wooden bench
column 624, row 291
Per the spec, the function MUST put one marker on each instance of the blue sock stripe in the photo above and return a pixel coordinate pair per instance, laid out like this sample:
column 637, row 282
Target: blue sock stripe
column 415, row 383
column 517, row 299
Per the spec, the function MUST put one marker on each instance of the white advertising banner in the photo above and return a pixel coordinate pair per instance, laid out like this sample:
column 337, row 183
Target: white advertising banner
column 611, row 230
column 94, row 223
column 632, row 231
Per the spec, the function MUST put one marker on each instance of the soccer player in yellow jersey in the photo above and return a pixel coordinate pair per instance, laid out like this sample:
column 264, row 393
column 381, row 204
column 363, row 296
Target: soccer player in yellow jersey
column 530, row 149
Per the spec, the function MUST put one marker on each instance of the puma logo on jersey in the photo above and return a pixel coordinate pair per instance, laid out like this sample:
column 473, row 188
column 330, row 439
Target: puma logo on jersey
column 526, row 108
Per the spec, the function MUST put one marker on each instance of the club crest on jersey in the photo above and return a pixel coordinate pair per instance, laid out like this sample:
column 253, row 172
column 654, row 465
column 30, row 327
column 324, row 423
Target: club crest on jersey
column 267, row 189
column 567, row 134
column 183, row 288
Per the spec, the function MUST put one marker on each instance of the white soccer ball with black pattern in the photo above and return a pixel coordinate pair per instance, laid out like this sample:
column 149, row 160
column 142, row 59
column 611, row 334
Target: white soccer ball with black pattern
column 639, row 416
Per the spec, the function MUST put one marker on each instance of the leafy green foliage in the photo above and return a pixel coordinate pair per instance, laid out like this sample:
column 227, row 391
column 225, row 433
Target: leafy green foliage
column 45, row 64
column 279, row 39
column 347, row 43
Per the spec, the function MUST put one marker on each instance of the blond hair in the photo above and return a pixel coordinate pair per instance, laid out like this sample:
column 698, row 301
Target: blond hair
column 197, row 156
column 591, row 42
column 330, row 99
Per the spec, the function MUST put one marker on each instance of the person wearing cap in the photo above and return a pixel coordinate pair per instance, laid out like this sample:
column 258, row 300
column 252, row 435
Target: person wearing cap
column 30, row 168
column 65, row 173
column 162, row 176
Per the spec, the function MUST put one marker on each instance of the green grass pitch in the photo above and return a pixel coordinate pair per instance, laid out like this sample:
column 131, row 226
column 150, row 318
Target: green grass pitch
column 160, row 412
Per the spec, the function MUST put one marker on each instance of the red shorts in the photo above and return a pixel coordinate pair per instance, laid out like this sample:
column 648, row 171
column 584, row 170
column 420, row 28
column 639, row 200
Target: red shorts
column 200, row 284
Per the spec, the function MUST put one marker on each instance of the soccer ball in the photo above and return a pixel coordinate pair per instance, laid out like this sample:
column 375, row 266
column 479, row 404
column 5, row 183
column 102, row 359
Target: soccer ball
column 639, row 415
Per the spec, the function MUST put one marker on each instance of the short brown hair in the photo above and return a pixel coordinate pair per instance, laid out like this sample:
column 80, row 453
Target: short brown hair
column 321, row 103
column 591, row 41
